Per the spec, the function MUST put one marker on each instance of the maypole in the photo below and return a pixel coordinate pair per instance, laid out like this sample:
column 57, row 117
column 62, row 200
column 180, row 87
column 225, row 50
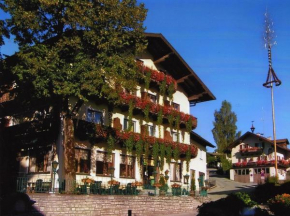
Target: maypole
column 272, row 77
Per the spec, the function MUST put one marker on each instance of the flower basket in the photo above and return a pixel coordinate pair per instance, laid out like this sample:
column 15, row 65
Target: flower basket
column 175, row 185
column 88, row 180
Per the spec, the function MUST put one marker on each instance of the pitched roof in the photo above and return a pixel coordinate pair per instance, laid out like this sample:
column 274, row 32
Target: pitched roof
column 168, row 58
column 194, row 136
column 264, row 139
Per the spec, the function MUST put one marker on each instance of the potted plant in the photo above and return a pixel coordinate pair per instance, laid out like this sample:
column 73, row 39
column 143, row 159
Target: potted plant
column 192, row 187
column 163, row 188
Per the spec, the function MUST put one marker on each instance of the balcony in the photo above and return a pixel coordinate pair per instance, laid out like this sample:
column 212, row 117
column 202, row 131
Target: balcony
column 91, row 131
column 185, row 120
column 251, row 151
column 280, row 163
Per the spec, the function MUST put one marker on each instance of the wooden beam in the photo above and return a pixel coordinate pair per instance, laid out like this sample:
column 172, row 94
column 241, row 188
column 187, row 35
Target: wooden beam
column 195, row 97
column 163, row 58
column 182, row 79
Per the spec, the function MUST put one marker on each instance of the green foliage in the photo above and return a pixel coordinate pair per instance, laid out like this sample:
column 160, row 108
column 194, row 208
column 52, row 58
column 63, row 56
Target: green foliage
column 76, row 48
column 272, row 179
column 189, row 126
column 110, row 144
column 168, row 152
column 187, row 159
column 163, row 184
column 225, row 129
column 162, row 87
column 246, row 199
column 146, row 111
column 210, row 159
column 159, row 121
column 139, row 149
column 280, row 204
column 177, row 122
column 170, row 91
column 162, row 155
column 155, row 153
column 176, row 154
column 3, row 33
column 147, row 79
column 170, row 120
column 192, row 184
column 131, row 107
column 226, row 164
column 129, row 143
column 146, row 150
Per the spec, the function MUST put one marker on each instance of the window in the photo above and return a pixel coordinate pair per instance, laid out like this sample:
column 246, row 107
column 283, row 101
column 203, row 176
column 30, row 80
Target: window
column 94, row 116
column 126, row 125
column 103, row 162
column 175, row 172
column 152, row 98
column 175, row 136
column 151, row 130
column 82, row 157
column 127, row 166
column 176, row 106
column 39, row 161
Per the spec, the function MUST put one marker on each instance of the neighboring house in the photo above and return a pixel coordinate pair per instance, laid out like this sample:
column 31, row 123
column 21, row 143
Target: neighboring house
column 253, row 158
column 152, row 135
column 200, row 164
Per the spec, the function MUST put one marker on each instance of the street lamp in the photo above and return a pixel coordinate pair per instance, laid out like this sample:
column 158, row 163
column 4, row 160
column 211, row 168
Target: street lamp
column 111, row 169
column 54, row 165
column 186, row 177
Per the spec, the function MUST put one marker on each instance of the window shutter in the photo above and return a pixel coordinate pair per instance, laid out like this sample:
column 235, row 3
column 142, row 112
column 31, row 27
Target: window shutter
column 117, row 123
column 144, row 96
column 167, row 135
column 143, row 130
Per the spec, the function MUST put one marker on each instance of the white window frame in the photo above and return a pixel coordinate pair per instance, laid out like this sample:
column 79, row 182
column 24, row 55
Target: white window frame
column 126, row 124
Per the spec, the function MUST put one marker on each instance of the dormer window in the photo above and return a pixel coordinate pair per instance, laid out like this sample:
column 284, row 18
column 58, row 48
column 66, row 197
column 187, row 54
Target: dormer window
column 176, row 106
column 94, row 116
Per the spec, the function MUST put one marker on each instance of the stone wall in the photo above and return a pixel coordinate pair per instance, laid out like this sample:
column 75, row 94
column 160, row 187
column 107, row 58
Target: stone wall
column 91, row 205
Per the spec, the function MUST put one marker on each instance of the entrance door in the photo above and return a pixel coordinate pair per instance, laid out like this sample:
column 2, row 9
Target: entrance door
column 147, row 173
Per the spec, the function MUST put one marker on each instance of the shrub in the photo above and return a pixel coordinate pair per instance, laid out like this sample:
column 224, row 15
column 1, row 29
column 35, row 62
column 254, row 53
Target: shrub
column 264, row 192
column 280, row 204
column 272, row 179
column 229, row 206
column 246, row 199
column 192, row 184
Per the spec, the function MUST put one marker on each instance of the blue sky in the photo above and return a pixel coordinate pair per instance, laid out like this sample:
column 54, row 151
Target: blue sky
column 222, row 41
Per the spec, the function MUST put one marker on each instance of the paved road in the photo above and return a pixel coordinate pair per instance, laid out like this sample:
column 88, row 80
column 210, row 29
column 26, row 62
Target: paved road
column 223, row 187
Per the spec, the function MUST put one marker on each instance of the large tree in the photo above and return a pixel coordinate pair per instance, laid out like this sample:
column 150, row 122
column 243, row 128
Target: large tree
column 78, row 48
column 225, row 129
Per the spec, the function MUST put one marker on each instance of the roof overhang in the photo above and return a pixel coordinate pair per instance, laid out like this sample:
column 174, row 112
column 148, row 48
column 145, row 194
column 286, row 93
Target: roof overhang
column 197, row 138
column 248, row 134
column 173, row 64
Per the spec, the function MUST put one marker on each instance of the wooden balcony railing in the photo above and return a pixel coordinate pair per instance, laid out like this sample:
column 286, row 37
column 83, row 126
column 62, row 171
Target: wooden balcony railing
column 251, row 151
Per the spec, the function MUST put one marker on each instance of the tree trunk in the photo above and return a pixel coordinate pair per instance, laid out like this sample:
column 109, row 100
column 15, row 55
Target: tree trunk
column 69, row 155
